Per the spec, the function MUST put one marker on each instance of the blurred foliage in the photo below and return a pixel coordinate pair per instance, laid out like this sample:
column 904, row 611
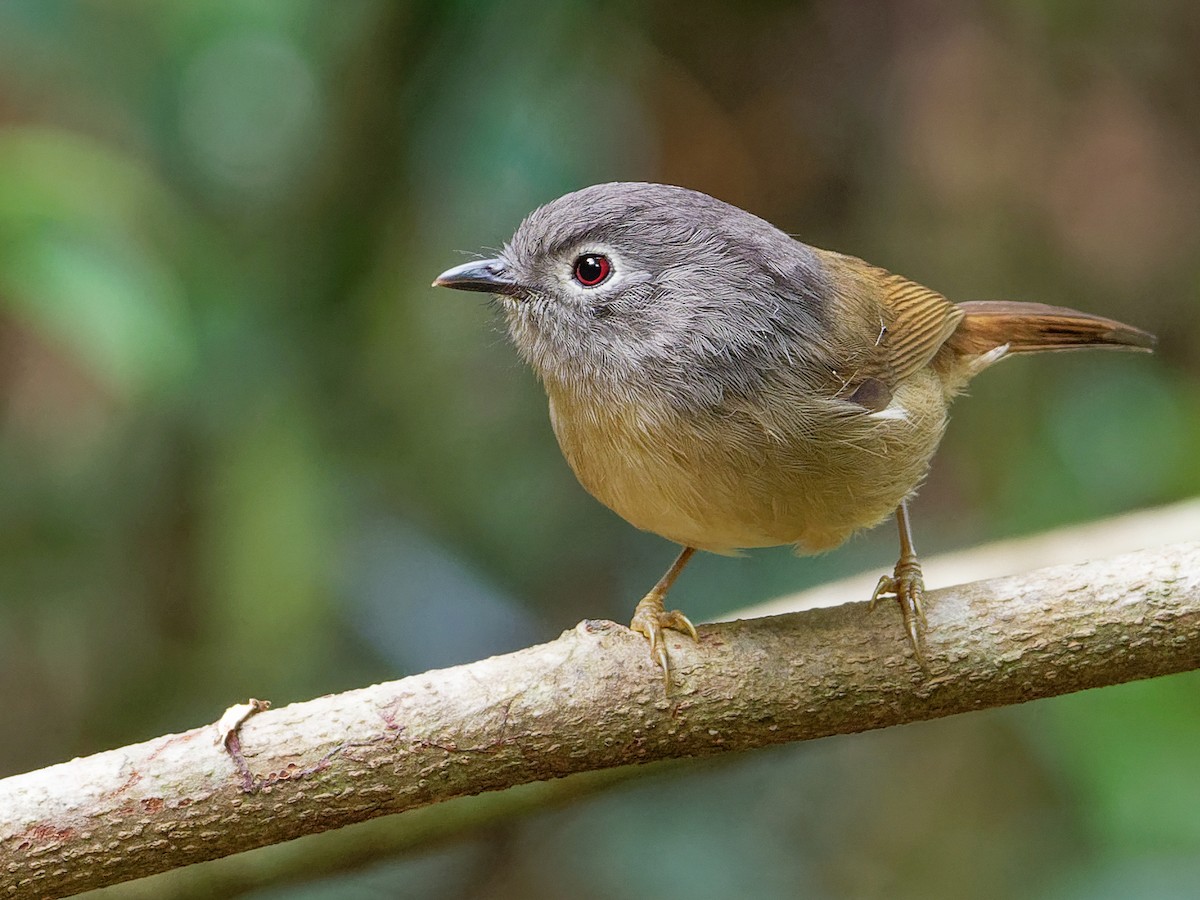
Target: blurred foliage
column 245, row 450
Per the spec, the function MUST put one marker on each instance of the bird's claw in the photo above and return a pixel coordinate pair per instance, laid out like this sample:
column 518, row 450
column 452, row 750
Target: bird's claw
column 907, row 587
column 650, row 619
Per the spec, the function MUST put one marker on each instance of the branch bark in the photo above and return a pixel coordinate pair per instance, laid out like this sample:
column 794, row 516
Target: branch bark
column 591, row 700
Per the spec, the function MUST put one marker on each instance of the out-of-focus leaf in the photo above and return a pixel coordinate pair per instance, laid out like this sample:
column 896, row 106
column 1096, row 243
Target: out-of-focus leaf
column 1130, row 752
column 118, row 310
column 1100, row 458
column 266, row 538
column 85, row 237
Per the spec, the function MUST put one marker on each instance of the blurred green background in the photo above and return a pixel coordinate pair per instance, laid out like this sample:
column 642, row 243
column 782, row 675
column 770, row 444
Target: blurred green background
column 246, row 450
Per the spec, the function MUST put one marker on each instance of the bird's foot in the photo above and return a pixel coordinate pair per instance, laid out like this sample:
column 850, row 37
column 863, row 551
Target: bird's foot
column 907, row 587
column 649, row 619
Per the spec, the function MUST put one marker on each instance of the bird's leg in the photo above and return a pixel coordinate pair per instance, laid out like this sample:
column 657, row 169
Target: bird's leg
column 906, row 585
column 650, row 617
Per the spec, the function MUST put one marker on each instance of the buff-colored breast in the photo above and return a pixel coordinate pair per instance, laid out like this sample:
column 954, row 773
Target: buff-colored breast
column 795, row 470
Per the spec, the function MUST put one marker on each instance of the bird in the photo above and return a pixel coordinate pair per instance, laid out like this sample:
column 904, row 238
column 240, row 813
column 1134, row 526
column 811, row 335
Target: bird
column 717, row 382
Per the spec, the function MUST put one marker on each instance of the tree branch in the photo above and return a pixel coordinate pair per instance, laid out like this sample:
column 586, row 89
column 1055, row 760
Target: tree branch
column 591, row 700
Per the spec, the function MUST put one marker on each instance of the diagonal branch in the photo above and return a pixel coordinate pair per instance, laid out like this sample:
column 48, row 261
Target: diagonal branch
column 591, row 700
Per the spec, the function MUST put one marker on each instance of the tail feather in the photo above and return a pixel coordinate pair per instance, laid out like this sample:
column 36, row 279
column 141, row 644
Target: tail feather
column 1034, row 327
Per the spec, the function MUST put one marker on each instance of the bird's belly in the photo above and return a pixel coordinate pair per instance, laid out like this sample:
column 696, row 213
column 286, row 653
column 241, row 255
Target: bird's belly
column 729, row 481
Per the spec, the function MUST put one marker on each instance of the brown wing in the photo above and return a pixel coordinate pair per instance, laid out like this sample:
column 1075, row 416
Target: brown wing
column 910, row 324
column 921, row 322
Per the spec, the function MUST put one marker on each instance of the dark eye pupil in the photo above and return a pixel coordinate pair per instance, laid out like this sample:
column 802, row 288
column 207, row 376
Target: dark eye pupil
column 592, row 269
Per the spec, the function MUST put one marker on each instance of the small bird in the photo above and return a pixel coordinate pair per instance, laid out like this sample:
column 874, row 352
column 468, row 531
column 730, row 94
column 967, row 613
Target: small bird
column 718, row 383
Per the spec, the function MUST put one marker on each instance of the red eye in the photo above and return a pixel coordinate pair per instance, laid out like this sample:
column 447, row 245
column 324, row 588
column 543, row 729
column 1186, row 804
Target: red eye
column 591, row 269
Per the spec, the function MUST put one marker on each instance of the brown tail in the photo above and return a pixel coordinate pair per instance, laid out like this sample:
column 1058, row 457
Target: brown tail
column 1033, row 327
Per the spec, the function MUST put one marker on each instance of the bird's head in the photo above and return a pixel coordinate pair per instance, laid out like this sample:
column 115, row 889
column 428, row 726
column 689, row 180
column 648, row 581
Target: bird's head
column 619, row 281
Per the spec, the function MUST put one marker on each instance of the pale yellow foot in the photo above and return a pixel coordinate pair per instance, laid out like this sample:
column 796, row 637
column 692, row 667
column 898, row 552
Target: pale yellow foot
column 649, row 619
column 907, row 587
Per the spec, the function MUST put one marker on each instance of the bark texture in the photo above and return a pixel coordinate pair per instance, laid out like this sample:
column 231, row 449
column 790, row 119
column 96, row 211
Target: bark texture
column 591, row 700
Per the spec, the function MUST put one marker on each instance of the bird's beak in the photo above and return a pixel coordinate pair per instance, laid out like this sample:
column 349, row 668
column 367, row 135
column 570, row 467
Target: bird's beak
column 488, row 275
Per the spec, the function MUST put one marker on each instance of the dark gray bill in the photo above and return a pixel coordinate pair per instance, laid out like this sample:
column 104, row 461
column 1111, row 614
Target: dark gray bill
column 489, row 275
